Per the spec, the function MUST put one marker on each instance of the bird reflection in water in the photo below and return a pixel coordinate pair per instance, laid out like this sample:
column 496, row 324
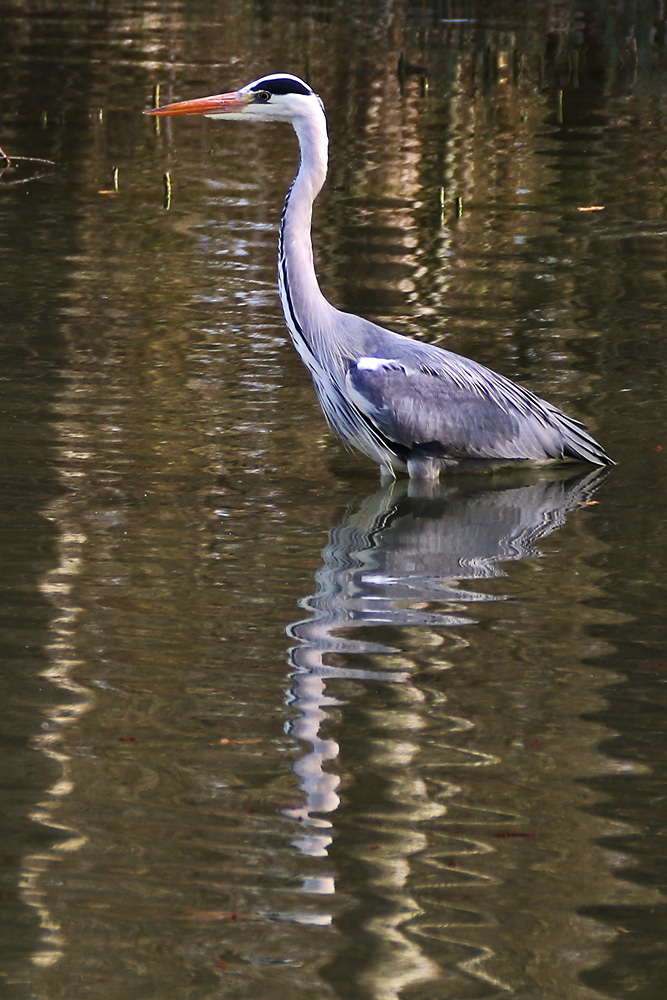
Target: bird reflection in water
column 404, row 558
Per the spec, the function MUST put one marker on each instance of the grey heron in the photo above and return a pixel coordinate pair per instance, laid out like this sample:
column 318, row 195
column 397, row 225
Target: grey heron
column 410, row 406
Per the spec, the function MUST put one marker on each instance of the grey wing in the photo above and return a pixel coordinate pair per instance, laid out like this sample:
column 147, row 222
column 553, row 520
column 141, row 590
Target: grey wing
column 433, row 413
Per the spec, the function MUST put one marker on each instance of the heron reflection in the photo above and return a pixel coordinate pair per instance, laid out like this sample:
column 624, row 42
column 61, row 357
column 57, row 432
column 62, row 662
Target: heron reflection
column 403, row 558
column 404, row 562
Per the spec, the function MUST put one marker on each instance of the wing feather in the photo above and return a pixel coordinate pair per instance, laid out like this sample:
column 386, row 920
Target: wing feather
column 445, row 409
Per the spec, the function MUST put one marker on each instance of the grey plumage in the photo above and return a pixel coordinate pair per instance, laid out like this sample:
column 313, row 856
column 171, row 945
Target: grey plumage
column 409, row 406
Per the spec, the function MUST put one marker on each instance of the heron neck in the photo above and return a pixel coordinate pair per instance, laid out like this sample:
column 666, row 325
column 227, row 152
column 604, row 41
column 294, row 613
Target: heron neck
column 305, row 308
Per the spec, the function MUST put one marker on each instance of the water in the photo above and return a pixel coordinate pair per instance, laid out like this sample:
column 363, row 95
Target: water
column 269, row 729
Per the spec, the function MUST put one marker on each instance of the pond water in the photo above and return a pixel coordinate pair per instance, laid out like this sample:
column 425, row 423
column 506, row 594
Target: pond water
column 269, row 729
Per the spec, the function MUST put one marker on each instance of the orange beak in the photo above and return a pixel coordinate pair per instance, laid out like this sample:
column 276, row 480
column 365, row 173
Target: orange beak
column 218, row 104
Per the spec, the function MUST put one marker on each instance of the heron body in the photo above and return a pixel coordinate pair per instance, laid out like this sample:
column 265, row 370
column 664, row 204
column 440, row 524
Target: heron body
column 409, row 406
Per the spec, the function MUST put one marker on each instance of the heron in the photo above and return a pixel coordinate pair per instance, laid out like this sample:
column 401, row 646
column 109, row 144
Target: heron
column 410, row 406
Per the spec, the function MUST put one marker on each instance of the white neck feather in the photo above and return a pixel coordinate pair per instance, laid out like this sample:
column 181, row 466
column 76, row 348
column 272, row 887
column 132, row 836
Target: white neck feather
column 307, row 313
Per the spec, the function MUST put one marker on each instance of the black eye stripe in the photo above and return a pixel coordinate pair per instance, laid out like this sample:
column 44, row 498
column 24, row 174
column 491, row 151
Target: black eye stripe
column 282, row 85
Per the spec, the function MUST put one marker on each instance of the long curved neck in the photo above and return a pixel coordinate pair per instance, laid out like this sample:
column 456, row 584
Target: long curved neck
column 307, row 312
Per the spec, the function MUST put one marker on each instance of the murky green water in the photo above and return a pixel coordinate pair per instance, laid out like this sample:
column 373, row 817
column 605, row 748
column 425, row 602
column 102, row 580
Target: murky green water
column 267, row 729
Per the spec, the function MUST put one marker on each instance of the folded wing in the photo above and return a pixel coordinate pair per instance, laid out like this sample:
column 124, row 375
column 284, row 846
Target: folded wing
column 461, row 415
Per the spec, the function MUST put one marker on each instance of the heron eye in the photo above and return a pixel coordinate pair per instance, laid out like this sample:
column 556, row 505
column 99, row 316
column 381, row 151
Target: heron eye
column 263, row 96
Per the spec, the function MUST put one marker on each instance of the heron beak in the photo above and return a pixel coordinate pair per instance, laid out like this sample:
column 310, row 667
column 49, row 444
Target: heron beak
column 218, row 104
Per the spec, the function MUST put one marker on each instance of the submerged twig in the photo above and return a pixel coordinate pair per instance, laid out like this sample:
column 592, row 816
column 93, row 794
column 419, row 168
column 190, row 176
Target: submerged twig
column 114, row 180
column 18, row 163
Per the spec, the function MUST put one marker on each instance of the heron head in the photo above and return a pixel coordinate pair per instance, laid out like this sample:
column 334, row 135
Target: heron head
column 276, row 97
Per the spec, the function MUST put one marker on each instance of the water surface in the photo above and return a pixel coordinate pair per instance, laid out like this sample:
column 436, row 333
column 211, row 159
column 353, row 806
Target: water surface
column 269, row 729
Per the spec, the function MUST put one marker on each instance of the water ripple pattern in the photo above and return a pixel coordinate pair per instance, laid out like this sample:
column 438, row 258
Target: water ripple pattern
column 401, row 574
